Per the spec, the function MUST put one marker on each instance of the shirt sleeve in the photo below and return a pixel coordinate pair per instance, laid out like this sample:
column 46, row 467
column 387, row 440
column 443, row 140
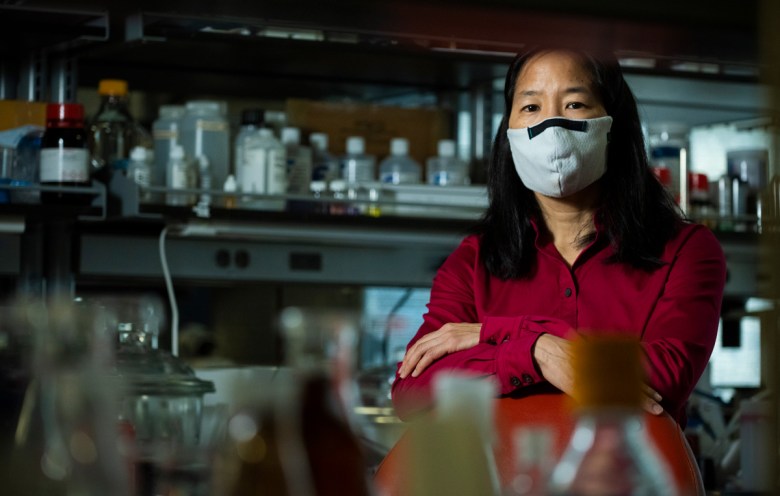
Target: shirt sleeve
column 683, row 326
column 504, row 353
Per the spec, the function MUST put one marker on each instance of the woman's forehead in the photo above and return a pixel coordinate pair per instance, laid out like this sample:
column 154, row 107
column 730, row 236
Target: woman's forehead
column 554, row 66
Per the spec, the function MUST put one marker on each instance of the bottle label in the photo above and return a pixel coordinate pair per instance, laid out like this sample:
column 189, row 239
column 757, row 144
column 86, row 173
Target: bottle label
column 399, row 178
column 179, row 177
column 445, row 178
column 165, row 134
column 211, row 126
column 264, row 172
column 60, row 165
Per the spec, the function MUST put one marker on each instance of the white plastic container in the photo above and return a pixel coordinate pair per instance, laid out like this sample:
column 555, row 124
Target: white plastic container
column 399, row 167
column 165, row 131
column 446, row 169
column 265, row 169
column 181, row 175
column 325, row 167
column 139, row 170
column 251, row 121
column 204, row 131
column 299, row 161
column 357, row 166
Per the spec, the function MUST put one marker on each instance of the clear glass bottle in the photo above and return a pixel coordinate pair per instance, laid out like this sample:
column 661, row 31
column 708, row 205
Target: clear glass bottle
column 165, row 131
column 610, row 451
column 140, row 172
column 399, row 167
column 181, row 175
column 319, row 350
column 446, row 169
column 325, row 167
column 113, row 132
column 357, row 166
column 265, row 170
column 251, row 122
column 205, row 131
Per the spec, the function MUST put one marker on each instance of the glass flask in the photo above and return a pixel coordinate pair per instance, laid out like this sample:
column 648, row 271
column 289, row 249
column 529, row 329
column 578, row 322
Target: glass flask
column 610, row 452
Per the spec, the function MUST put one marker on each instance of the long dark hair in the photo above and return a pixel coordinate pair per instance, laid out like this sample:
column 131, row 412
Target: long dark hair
column 637, row 214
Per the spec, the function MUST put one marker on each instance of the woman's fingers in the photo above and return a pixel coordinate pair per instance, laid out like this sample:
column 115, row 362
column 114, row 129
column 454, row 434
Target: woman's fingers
column 429, row 348
column 651, row 401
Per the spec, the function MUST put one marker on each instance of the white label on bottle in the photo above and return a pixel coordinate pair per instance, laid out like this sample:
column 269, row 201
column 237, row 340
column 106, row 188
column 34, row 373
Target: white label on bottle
column 179, row 177
column 264, row 172
column 253, row 175
column 277, row 177
column 64, row 165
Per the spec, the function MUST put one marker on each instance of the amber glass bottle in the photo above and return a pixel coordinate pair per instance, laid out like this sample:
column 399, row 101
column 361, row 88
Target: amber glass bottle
column 64, row 154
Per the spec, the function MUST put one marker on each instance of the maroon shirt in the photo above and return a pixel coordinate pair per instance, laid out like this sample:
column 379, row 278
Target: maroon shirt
column 674, row 310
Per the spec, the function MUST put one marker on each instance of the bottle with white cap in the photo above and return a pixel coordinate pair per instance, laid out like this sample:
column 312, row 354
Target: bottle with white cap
column 399, row 167
column 139, row 170
column 298, row 161
column 446, row 169
column 325, row 167
column 181, row 175
column 357, row 166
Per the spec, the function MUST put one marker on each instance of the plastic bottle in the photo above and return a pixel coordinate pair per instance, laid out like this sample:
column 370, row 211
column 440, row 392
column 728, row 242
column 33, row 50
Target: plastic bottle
column 446, row 169
column 204, row 179
column 165, row 131
column 299, row 161
column 181, row 175
column 265, row 169
column 319, row 190
column 204, row 131
column 251, row 121
column 610, row 451
column 230, row 187
column 140, row 171
column 357, row 166
column 338, row 193
column 325, row 167
column 114, row 132
column 64, row 153
column 399, row 167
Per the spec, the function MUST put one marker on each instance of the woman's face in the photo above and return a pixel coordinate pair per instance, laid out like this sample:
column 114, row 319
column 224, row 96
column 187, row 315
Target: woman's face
column 553, row 84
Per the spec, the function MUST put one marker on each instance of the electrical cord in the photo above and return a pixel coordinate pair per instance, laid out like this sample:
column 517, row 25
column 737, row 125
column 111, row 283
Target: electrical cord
column 171, row 294
column 386, row 333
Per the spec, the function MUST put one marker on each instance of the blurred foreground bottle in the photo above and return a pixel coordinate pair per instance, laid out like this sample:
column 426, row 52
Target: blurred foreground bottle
column 319, row 351
column 451, row 452
column 610, row 452
column 66, row 438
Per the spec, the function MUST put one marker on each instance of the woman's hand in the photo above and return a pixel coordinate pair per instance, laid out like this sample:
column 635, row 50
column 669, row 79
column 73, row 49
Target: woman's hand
column 554, row 355
column 448, row 339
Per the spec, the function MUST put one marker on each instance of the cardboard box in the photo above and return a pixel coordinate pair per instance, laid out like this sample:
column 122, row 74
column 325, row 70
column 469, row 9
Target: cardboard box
column 16, row 113
column 378, row 124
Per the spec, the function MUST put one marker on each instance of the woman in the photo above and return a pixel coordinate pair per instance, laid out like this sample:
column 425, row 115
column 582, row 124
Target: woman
column 578, row 235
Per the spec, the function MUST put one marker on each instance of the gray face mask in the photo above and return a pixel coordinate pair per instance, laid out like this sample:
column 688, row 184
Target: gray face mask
column 559, row 157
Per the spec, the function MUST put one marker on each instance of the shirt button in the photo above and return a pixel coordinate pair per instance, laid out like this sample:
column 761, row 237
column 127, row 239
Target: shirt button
column 527, row 379
column 567, row 292
column 514, row 381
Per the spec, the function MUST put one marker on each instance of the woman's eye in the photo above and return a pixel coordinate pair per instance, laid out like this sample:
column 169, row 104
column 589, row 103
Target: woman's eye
column 575, row 105
column 530, row 108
